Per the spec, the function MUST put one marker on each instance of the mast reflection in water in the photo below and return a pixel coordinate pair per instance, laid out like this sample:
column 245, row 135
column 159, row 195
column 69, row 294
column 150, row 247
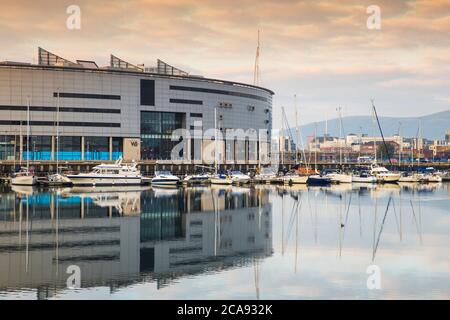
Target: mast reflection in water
column 128, row 235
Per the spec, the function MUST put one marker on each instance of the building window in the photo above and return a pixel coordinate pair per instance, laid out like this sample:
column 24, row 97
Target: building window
column 69, row 148
column 86, row 96
column 117, row 148
column 196, row 115
column 61, row 123
column 184, row 101
column 40, row 148
column 156, row 134
column 96, row 148
column 214, row 91
column 147, row 92
column 9, row 147
column 61, row 109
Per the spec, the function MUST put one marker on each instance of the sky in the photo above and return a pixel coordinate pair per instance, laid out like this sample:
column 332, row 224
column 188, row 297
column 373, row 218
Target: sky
column 322, row 51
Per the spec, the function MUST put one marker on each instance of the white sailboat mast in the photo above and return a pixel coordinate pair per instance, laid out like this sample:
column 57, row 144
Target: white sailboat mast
column 28, row 134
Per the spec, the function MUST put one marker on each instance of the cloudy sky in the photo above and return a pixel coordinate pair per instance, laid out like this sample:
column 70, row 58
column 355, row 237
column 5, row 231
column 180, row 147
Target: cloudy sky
column 320, row 50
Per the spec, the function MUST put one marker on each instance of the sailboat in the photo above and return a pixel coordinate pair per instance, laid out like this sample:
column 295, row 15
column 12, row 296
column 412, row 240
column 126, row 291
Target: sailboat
column 294, row 177
column 339, row 176
column 25, row 177
column 381, row 173
column 218, row 178
column 58, row 179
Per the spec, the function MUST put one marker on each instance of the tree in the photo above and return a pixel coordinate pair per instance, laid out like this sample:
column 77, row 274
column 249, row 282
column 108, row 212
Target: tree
column 384, row 153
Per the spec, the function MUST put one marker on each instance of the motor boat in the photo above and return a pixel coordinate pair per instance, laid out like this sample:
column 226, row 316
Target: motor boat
column 58, row 179
column 165, row 178
column 384, row 175
column 364, row 177
column 267, row 175
column 222, row 179
column 338, row 177
column 201, row 178
column 24, row 177
column 239, row 177
column 292, row 178
column 109, row 175
column 318, row 180
column 410, row 177
column 431, row 177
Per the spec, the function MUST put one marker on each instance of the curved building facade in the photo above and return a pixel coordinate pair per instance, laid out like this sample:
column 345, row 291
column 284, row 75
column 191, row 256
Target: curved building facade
column 103, row 113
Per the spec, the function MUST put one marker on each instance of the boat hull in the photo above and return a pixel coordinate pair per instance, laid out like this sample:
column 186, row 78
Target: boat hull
column 295, row 179
column 340, row 178
column 165, row 182
column 388, row 178
column 24, row 181
column 103, row 181
column 220, row 181
column 318, row 181
column 364, row 179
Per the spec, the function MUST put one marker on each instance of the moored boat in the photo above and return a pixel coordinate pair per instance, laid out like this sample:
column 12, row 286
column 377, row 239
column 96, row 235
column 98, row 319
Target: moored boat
column 294, row 179
column 165, row 178
column 239, row 177
column 318, row 180
column 384, row 175
column 109, row 174
column 221, row 179
column 364, row 177
column 201, row 178
column 25, row 177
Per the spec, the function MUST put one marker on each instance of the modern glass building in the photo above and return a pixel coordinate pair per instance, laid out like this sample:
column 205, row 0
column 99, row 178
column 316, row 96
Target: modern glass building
column 78, row 111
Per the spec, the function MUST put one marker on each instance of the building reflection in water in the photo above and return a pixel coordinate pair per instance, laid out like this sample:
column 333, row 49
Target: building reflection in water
column 120, row 236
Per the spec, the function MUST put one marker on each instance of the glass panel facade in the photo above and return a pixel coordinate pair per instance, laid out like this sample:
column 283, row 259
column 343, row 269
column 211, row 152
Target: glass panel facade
column 117, row 148
column 7, row 144
column 40, row 148
column 96, row 148
column 156, row 134
column 69, row 148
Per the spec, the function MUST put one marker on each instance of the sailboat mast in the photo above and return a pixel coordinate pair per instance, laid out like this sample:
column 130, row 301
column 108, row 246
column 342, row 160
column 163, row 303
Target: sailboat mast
column 282, row 143
column 28, row 134
column 297, row 129
column 382, row 135
column 401, row 145
column 215, row 140
column 340, row 136
column 315, row 148
column 57, row 134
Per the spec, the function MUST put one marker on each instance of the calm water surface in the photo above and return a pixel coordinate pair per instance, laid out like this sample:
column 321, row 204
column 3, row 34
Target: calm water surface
column 266, row 242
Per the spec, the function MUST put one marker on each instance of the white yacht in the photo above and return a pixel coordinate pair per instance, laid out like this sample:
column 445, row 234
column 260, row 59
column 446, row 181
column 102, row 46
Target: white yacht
column 413, row 177
column 58, row 179
column 267, row 175
column 222, row 179
column 364, row 177
column 109, row 175
column 201, row 178
column 24, row 178
column 338, row 177
column 165, row 178
column 239, row 177
column 384, row 175
column 292, row 178
column 431, row 177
